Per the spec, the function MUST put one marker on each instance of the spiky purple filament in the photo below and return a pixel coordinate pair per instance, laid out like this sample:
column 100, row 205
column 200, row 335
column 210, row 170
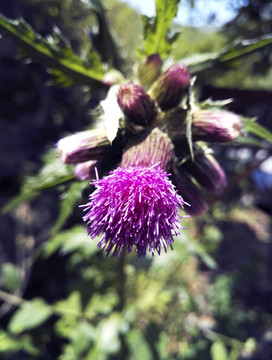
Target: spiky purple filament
column 134, row 206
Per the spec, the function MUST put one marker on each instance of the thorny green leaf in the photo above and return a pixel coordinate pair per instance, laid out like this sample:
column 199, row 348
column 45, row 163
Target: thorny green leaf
column 157, row 38
column 55, row 52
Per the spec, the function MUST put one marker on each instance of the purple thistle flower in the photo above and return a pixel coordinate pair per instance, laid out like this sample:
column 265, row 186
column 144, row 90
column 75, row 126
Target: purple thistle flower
column 170, row 87
column 134, row 206
column 136, row 104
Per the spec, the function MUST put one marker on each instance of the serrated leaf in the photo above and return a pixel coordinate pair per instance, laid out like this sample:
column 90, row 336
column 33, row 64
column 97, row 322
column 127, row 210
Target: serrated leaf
column 218, row 351
column 52, row 174
column 54, row 52
column 30, row 315
column 68, row 202
column 70, row 305
column 99, row 304
column 256, row 129
column 157, row 39
column 237, row 50
column 111, row 113
column 81, row 338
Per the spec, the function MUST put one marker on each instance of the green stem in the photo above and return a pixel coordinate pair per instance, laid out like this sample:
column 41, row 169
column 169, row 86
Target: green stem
column 121, row 285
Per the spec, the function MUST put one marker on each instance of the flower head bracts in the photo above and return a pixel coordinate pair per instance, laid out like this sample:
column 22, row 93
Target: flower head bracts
column 216, row 125
column 171, row 86
column 155, row 148
column 134, row 206
column 136, row 104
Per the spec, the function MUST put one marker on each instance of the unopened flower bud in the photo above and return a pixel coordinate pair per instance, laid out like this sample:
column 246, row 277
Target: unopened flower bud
column 190, row 192
column 136, row 104
column 85, row 170
column 149, row 69
column 170, row 87
column 156, row 148
column 207, row 171
column 83, row 146
column 216, row 125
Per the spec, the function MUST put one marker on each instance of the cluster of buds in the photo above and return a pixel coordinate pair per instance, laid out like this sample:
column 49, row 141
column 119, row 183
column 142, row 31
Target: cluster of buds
column 137, row 204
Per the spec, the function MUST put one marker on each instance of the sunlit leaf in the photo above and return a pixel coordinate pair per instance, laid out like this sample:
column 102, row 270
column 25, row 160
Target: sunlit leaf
column 99, row 304
column 30, row 315
column 219, row 351
column 54, row 52
column 71, row 305
column 69, row 200
column 107, row 337
column 256, row 129
column 10, row 276
column 52, row 174
column 8, row 344
column 74, row 239
column 138, row 346
column 81, row 337
column 11, row 344
column 235, row 51
column 157, row 38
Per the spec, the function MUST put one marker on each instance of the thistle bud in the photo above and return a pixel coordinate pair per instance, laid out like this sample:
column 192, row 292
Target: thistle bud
column 208, row 172
column 156, row 148
column 216, row 125
column 190, row 192
column 136, row 104
column 170, row 87
column 83, row 146
column 149, row 69
column 85, row 170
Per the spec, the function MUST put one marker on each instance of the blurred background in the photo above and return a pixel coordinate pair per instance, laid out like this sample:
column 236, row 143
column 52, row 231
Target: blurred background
column 208, row 299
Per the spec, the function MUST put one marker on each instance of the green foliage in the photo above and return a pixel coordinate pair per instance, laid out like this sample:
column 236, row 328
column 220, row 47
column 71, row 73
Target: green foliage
column 69, row 241
column 256, row 129
column 10, row 276
column 30, row 315
column 157, row 38
column 52, row 174
column 55, row 52
column 219, row 351
column 161, row 307
column 227, row 55
column 10, row 344
column 68, row 202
